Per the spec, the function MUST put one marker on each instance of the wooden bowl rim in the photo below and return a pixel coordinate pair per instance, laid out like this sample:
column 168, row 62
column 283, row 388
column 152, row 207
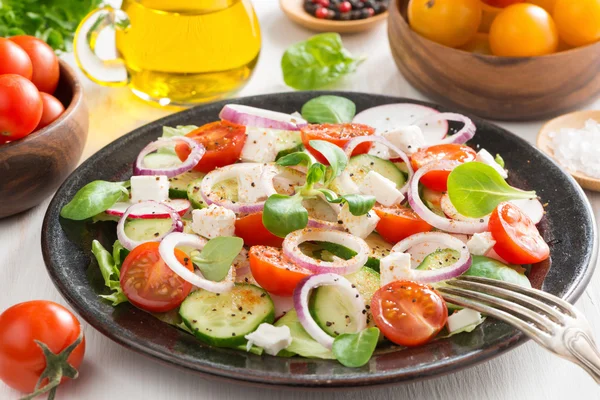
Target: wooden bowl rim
column 352, row 26
column 396, row 15
column 76, row 101
column 587, row 182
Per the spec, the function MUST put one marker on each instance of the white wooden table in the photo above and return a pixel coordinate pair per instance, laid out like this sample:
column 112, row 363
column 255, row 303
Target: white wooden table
column 110, row 371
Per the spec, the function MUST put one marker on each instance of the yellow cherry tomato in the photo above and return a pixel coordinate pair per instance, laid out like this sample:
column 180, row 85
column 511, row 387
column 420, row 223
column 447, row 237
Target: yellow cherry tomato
column 449, row 22
column 578, row 21
column 547, row 5
column 523, row 30
column 480, row 44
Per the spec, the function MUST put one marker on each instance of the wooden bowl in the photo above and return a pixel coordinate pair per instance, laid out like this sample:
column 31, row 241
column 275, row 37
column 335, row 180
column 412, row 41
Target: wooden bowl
column 32, row 168
column 573, row 120
column 499, row 88
column 295, row 11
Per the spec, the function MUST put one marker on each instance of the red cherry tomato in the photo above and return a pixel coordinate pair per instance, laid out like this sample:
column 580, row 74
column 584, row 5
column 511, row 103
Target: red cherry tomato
column 149, row 283
column 52, row 108
column 223, row 142
column 397, row 223
column 20, row 107
column 338, row 134
column 14, row 60
column 438, row 180
column 21, row 359
column 409, row 313
column 251, row 229
column 274, row 272
column 43, row 60
column 517, row 239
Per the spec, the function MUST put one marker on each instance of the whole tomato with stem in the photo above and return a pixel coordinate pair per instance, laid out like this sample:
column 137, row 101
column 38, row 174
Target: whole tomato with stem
column 578, row 22
column 39, row 338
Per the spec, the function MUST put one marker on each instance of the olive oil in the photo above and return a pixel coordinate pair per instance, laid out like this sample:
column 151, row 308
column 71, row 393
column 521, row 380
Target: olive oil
column 183, row 52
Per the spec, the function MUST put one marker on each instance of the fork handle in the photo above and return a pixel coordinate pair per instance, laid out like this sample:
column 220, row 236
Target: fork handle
column 584, row 350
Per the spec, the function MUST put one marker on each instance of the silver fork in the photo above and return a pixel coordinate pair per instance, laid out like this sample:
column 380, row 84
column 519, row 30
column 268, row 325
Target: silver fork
column 549, row 320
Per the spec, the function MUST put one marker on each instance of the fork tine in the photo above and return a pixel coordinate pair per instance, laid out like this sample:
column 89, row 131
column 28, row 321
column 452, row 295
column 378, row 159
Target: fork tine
column 542, row 323
column 526, row 301
column 535, row 293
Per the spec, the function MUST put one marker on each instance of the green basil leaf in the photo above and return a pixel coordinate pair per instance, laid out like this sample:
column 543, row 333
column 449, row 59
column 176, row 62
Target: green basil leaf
column 294, row 159
column 315, row 174
column 499, row 160
column 283, row 153
column 284, row 214
column 475, row 189
column 355, row 349
column 329, row 109
column 93, row 198
column 317, row 62
column 335, row 156
column 110, row 273
column 359, row 204
column 215, row 259
column 330, row 195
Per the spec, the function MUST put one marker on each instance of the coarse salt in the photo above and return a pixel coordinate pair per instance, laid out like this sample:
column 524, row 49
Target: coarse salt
column 578, row 150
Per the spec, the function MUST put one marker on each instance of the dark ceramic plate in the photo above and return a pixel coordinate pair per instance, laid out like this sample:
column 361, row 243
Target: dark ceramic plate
column 569, row 227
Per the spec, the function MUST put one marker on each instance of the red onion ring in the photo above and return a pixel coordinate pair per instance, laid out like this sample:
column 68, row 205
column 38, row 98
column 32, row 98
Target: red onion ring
column 167, row 253
column 302, row 296
column 431, row 276
column 465, row 134
column 293, row 240
column 442, row 223
column 351, row 145
column 196, row 152
column 130, row 244
column 259, row 118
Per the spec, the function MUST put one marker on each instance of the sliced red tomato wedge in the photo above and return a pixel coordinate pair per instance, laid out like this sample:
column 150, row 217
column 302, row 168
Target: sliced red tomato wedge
column 274, row 272
column 149, row 283
column 223, row 142
column 338, row 134
column 399, row 222
column 518, row 240
column 409, row 313
column 251, row 229
column 438, row 180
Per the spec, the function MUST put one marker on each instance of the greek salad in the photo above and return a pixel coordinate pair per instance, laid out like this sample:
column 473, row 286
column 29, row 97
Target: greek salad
column 317, row 234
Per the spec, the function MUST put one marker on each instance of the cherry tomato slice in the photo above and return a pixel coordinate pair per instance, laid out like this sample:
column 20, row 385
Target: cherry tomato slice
column 397, row 223
column 518, row 241
column 338, row 134
column 274, row 272
column 251, row 229
column 149, row 283
column 438, row 180
column 20, row 107
column 223, row 142
column 409, row 313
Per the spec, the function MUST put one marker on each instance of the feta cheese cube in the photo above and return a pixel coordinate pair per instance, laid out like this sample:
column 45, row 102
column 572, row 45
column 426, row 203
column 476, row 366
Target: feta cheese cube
column 361, row 225
column 262, row 145
column 481, row 243
column 213, row 221
column 345, row 184
column 464, row 320
column 394, row 267
column 271, row 338
column 484, row 157
column 409, row 139
column 146, row 187
column 250, row 188
column 383, row 189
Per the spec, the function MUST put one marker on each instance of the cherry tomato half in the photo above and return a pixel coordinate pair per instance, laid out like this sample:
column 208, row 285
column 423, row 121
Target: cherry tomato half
column 251, row 229
column 517, row 239
column 397, row 223
column 43, row 60
column 149, row 283
column 438, row 180
column 338, row 134
column 409, row 313
column 223, row 142
column 21, row 359
column 20, row 107
column 14, row 59
column 52, row 108
column 274, row 272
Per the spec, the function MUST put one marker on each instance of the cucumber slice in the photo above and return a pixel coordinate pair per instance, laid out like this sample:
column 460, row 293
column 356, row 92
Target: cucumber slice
column 142, row 230
column 178, row 185
column 439, row 259
column 330, row 308
column 359, row 166
column 224, row 319
column 161, row 160
column 379, row 247
column 227, row 189
column 326, row 250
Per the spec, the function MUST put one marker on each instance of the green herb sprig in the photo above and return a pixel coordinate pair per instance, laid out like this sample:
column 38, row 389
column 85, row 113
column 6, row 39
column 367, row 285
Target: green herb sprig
column 216, row 257
column 94, row 198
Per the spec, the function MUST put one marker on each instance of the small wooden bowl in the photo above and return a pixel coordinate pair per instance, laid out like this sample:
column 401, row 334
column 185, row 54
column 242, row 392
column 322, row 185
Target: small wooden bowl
column 33, row 167
column 499, row 88
column 295, row 11
column 573, row 120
